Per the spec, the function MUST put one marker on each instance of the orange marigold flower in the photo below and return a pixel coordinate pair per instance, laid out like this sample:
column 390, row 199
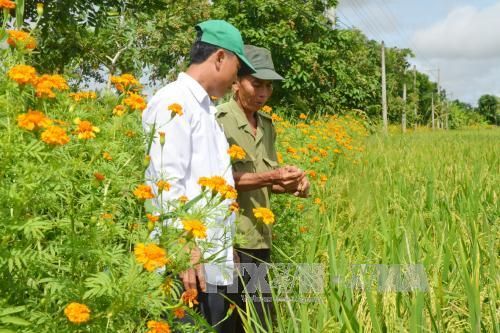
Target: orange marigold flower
column 99, row 176
column 267, row 109
column 214, row 183
column 130, row 134
column 195, row 228
column 317, row 201
column 85, row 129
column 33, row 120
column 119, row 110
column 163, row 185
column 176, row 109
column 234, row 207
column 125, row 82
column 46, row 84
column 303, row 229
column 228, row 192
column 21, row 39
column 106, row 216
column 135, row 102
column 158, row 327
column 55, row 135
column 189, row 297
column 151, row 256
column 7, row 4
column 77, row 313
column 264, row 214
column 302, row 116
column 312, row 173
column 183, row 199
column 107, row 156
column 280, row 158
column 236, row 152
column 78, row 96
column 144, row 192
column 152, row 218
column 179, row 313
column 22, row 74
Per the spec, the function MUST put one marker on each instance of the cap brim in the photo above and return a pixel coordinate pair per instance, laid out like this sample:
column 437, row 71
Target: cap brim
column 267, row 74
column 249, row 67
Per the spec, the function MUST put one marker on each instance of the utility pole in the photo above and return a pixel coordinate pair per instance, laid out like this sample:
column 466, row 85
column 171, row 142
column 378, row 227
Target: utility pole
column 415, row 92
column 403, row 118
column 384, row 90
column 432, row 110
column 440, row 108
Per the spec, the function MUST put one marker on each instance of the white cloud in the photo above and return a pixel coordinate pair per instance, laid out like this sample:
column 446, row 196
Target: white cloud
column 467, row 32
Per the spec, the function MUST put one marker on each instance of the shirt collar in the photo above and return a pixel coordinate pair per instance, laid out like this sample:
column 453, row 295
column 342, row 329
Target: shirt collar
column 239, row 114
column 195, row 87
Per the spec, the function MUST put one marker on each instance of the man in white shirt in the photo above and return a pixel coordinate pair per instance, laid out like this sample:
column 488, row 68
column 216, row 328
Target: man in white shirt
column 194, row 146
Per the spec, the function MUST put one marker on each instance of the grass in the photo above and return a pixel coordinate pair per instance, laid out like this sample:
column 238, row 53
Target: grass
column 423, row 198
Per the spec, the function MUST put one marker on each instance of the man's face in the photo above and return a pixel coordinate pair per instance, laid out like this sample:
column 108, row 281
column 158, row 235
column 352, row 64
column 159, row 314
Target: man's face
column 228, row 71
column 252, row 93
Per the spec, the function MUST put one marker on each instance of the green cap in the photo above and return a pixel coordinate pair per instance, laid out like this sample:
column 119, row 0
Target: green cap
column 223, row 34
column 262, row 62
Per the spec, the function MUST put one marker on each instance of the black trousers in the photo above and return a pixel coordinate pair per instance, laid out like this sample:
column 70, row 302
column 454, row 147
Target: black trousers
column 214, row 303
column 251, row 272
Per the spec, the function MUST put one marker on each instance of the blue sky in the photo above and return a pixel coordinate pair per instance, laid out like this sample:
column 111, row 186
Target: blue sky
column 460, row 37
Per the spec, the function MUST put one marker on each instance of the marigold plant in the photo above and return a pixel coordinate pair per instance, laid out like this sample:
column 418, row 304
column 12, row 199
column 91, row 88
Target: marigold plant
column 23, row 74
column 196, row 228
column 151, row 256
column 77, row 313
column 33, row 120
column 55, row 135
column 22, row 39
column 264, row 214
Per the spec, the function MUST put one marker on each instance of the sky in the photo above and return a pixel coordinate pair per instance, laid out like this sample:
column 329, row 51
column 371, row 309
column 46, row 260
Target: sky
column 461, row 38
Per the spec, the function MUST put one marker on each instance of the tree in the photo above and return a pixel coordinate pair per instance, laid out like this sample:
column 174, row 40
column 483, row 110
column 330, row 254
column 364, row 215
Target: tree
column 488, row 107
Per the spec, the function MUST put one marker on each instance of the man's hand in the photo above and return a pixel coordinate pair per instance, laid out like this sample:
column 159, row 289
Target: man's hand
column 190, row 276
column 289, row 178
column 303, row 188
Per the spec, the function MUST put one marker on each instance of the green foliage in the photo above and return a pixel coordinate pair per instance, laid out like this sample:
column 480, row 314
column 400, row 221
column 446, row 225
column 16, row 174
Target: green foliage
column 489, row 106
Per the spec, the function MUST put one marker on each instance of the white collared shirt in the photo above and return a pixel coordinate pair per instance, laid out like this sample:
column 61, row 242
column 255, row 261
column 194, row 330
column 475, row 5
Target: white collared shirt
column 195, row 146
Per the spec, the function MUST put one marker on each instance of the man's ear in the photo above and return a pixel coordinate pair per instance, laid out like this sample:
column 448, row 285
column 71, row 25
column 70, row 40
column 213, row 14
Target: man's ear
column 219, row 56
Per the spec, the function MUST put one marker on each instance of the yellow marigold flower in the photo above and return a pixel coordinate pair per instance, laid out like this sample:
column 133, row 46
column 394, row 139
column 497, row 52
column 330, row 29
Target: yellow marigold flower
column 163, row 185
column 179, row 313
column 151, row 256
column 236, row 152
column 176, row 109
column 264, row 214
column 78, row 96
column 106, row 216
column 267, row 109
column 33, row 120
column 55, row 135
column 22, row 74
column 7, row 4
column 45, row 84
column 337, row 151
column 85, row 129
column 189, row 297
column 196, row 228
column 324, row 178
column 303, row 229
column 158, row 327
column 291, row 150
column 135, row 102
column 275, row 117
column 125, row 82
column 183, row 199
column 152, row 218
column 119, row 110
column 21, row 39
column 317, row 201
column 312, row 173
column 130, row 134
column 144, row 192
column 315, row 159
column 215, row 183
column 228, row 192
column 302, row 116
column 107, row 156
column 280, row 158
column 77, row 313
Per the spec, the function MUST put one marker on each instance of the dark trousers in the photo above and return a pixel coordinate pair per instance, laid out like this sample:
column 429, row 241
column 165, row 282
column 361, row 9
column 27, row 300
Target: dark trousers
column 214, row 306
column 260, row 298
